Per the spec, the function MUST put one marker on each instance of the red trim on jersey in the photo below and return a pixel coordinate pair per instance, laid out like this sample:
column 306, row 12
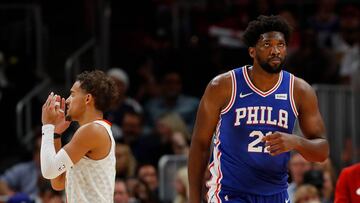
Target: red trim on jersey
column 292, row 100
column 255, row 89
column 233, row 93
column 106, row 121
column 218, row 187
column 207, row 182
column 217, row 191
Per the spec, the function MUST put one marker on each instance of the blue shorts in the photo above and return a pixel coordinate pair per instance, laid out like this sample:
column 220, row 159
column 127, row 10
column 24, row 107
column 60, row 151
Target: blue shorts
column 281, row 197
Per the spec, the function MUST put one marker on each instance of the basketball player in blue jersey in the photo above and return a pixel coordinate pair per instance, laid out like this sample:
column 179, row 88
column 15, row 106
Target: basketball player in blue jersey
column 251, row 112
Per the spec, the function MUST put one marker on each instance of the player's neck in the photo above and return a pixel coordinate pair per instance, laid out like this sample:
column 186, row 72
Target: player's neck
column 90, row 115
column 262, row 80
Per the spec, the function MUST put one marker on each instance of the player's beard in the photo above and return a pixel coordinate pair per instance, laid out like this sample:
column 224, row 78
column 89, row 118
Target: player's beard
column 67, row 116
column 265, row 65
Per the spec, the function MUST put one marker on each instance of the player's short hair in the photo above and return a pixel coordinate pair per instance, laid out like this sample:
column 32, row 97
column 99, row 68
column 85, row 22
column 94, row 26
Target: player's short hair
column 101, row 87
column 264, row 24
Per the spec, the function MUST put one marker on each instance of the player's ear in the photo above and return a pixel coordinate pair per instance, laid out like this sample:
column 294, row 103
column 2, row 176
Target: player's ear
column 252, row 52
column 88, row 98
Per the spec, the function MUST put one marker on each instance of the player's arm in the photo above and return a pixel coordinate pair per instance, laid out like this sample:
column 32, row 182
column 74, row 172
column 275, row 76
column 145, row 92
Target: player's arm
column 58, row 183
column 313, row 146
column 216, row 96
column 86, row 139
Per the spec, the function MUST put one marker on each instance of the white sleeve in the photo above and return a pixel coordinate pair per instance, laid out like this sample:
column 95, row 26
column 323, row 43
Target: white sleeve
column 52, row 164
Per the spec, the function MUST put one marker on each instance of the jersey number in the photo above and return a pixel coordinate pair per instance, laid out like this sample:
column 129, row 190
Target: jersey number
column 252, row 145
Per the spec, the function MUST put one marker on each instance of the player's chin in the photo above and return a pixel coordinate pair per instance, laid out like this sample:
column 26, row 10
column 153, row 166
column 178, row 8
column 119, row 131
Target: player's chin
column 276, row 68
column 68, row 118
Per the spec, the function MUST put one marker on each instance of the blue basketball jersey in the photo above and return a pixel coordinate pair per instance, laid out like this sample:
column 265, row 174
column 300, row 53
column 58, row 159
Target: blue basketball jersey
column 240, row 162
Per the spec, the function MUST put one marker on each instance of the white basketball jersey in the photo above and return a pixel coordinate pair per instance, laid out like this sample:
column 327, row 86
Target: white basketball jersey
column 90, row 181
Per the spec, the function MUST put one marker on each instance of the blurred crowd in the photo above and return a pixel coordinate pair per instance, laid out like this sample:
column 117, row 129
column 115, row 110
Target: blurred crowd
column 162, row 55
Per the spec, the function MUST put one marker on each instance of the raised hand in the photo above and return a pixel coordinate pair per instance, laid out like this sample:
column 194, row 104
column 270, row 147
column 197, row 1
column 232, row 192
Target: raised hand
column 49, row 113
column 53, row 112
column 61, row 123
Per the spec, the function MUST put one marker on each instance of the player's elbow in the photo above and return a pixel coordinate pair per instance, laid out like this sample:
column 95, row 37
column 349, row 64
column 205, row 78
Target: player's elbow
column 57, row 187
column 321, row 159
column 322, row 156
column 326, row 153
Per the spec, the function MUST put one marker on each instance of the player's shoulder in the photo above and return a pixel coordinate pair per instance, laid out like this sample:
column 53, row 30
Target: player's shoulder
column 304, row 94
column 92, row 129
column 301, row 86
column 221, row 80
column 218, row 90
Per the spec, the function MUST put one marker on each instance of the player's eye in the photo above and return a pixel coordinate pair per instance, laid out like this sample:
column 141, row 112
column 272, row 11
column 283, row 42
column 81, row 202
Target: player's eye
column 281, row 44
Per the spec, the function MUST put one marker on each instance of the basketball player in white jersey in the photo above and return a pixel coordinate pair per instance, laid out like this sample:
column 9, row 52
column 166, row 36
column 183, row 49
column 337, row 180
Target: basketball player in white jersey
column 85, row 167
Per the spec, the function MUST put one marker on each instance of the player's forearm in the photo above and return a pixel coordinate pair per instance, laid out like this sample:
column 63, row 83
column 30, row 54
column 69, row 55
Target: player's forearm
column 52, row 164
column 314, row 150
column 58, row 183
column 198, row 159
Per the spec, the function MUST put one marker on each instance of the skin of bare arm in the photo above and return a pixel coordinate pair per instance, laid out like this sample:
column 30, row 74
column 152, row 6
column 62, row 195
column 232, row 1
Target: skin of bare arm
column 217, row 95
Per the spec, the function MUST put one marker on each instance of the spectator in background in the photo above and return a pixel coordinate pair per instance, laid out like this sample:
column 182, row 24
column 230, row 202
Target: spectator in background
column 172, row 100
column 19, row 198
column 130, row 185
column 317, row 178
column 301, row 63
column 181, row 186
column 329, row 177
column 143, row 193
column 23, row 177
column 346, row 44
column 325, row 22
column 160, row 141
column 132, row 133
column 47, row 194
column 348, row 185
column 169, row 123
column 295, row 39
column 148, row 174
column 297, row 166
column 126, row 103
column 121, row 194
column 180, row 143
column 307, row 194
column 125, row 161
column 146, row 85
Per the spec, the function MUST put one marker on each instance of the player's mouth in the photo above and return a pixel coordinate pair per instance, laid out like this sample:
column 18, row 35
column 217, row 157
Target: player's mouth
column 275, row 60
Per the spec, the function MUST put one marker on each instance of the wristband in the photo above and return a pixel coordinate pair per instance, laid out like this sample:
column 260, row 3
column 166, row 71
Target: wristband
column 57, row 135
column 48, row 129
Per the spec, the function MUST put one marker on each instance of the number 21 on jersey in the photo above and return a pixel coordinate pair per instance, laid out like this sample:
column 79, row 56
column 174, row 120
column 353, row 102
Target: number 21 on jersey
column 254, row 145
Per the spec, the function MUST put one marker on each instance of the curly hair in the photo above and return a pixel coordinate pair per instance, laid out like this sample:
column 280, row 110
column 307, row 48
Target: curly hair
column 101, row 87
column 264, row 24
